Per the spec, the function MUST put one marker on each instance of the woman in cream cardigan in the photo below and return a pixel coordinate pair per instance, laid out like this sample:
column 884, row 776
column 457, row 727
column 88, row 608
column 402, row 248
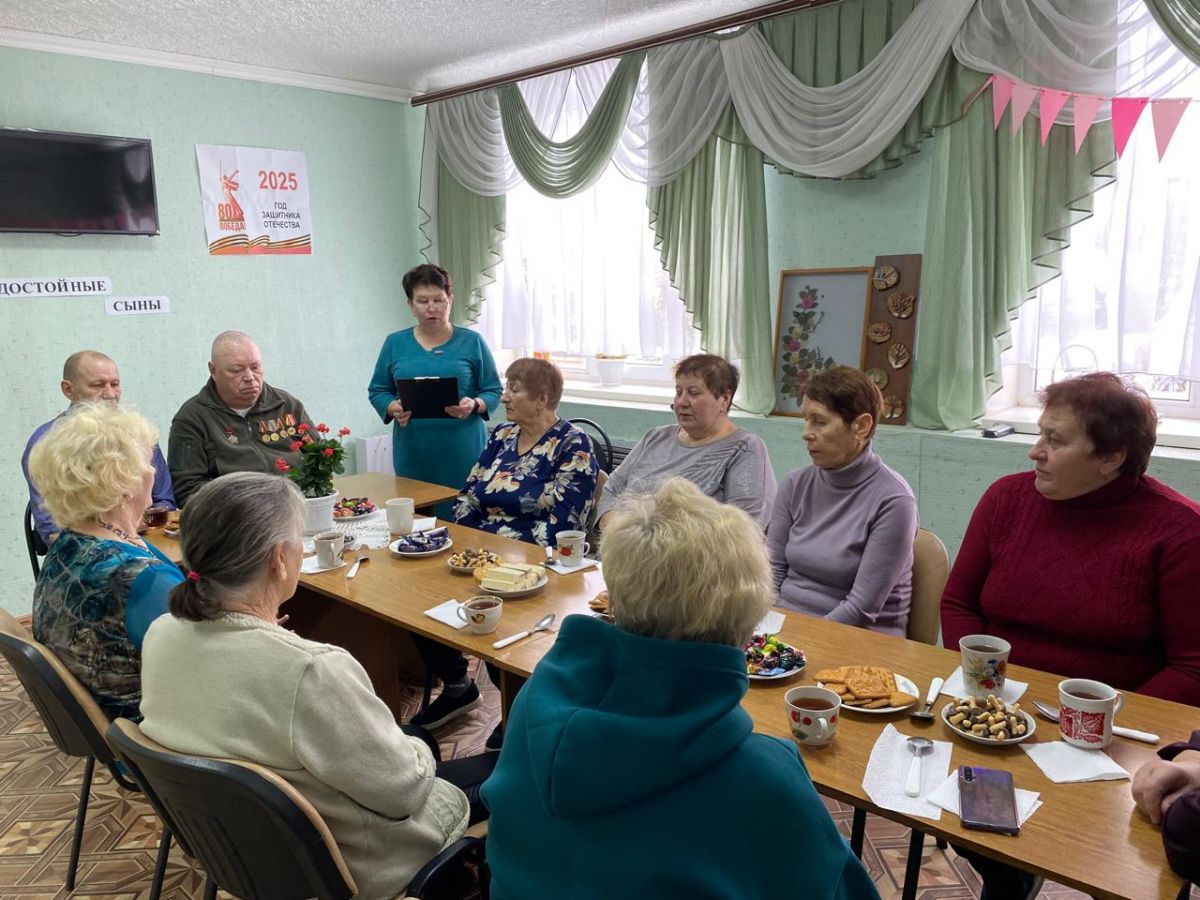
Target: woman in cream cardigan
column 221, row 678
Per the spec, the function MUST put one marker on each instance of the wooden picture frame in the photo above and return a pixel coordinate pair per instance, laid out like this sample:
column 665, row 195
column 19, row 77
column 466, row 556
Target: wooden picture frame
column 820, row 321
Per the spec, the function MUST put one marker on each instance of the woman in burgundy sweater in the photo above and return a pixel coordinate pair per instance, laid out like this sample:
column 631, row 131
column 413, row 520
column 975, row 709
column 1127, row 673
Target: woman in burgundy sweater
column 1086, row 565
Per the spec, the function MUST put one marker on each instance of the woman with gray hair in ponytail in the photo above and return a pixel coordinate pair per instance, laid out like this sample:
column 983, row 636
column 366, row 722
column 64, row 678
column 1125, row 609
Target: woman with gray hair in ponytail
column 221, row 678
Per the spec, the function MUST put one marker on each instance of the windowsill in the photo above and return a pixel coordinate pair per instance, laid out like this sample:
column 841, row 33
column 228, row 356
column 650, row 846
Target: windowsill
column 636, row 396
column 1182, row 433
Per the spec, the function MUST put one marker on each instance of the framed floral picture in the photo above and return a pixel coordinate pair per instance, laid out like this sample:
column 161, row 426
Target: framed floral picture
column 819, row 323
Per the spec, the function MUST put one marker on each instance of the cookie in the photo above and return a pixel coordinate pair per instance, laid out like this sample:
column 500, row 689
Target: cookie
column 899, row 698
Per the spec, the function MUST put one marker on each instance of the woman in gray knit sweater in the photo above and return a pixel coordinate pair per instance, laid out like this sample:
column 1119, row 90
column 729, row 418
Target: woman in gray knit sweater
column 705, row 447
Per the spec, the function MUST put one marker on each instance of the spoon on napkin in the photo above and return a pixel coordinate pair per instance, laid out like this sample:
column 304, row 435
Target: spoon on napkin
column 917, row 746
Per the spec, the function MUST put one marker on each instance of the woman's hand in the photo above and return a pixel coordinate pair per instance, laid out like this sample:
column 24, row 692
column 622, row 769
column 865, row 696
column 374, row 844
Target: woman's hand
column 466, row 406
column 397, row 412
column 1158, row 784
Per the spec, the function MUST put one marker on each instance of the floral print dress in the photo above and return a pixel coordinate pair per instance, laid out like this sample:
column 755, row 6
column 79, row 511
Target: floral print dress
column 531, row 496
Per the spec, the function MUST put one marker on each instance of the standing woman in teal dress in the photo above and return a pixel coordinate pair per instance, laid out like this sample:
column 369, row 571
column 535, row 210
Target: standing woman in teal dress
column 440, row 451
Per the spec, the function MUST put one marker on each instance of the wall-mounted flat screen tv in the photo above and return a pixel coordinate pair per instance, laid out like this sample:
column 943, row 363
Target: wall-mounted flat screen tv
column 76, row 183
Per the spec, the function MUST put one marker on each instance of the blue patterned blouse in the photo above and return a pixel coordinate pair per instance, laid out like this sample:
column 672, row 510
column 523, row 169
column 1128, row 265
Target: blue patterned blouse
column 535, row 495
column 92, row 604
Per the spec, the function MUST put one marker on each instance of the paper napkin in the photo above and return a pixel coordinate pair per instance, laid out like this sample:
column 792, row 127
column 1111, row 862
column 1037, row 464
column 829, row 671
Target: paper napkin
column 447, row 614
column 955, row 687
column 1062, row 762
column 426, row 523
column 310, row 566
column 584, row 565
column 771, row 623
column 887, row 770
column 946, row 796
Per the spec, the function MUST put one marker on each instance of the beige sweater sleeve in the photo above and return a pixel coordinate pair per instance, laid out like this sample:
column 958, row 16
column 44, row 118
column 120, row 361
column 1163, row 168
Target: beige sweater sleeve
column 345, row 736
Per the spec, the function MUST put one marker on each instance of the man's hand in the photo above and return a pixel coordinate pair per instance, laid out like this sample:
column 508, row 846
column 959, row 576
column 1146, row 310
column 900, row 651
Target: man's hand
column 465, row 407
column 398, row 413
column 1159, row 783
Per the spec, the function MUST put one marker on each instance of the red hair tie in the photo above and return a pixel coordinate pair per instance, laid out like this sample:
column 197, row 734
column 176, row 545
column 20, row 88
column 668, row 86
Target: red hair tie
column 193, row 575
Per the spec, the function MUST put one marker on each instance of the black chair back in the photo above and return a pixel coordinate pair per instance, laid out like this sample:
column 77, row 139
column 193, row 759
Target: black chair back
column 605, row 453
column 33, row 541
column 255, row 835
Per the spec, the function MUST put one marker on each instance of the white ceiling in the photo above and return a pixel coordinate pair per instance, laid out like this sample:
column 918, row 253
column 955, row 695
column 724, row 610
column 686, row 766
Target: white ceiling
column 375, row 47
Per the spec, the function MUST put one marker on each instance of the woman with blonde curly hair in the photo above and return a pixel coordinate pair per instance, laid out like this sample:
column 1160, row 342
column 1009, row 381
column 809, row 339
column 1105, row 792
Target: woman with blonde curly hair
column 101, row 585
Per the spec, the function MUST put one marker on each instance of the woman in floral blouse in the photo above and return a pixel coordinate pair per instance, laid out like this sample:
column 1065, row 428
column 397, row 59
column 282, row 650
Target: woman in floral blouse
column 535, row 478
column 537, row 474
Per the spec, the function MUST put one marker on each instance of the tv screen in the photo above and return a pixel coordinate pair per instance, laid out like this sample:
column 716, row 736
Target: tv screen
column 76, row 183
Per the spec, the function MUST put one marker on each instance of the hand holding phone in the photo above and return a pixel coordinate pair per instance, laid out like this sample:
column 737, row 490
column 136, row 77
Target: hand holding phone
column 987, row 800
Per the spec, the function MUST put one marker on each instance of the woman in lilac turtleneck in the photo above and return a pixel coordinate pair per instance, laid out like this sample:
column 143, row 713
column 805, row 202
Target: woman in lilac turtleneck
column 841, row 532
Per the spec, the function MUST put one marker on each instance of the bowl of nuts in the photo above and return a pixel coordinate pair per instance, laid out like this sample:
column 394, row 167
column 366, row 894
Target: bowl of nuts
column 990, row 721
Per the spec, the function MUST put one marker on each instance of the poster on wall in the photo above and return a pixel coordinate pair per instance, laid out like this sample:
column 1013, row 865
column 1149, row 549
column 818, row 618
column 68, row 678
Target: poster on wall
column 255, row 200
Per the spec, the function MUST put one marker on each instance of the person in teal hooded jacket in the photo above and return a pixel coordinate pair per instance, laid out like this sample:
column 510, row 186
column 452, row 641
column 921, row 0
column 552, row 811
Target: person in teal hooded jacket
column 629, row 767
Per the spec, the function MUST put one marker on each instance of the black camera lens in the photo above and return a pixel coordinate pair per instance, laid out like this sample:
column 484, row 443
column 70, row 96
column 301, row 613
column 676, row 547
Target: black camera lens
column 968, row 775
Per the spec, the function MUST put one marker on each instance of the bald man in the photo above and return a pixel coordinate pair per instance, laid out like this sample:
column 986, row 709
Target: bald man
column 89, row 375
column 237, row 423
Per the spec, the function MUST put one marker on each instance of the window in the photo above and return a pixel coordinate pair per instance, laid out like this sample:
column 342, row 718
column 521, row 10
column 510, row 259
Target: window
column 581, row 277
column 1128, row 299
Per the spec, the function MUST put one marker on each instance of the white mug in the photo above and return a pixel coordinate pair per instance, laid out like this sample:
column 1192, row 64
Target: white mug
column 329, row 546
column 482, row 614
column 571, row 547
column 1087, row 708
column 400, row 511
column 812, row 715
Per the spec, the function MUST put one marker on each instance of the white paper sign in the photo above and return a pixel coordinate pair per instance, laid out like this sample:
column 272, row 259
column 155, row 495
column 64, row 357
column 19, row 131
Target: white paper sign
column 136, row 306
column 255, row 200
column 63, row 286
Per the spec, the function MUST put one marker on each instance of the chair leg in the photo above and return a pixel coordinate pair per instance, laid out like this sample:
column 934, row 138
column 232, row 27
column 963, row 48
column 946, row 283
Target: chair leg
column 428, row 689
column 942, row 844
column 160, row 864
column 1185, row 891
column 210, row 890
column 77, row 840
column 912, row 869
column 858, row 830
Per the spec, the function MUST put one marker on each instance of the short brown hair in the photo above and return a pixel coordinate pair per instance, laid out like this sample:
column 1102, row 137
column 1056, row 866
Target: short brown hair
column 847, row 392
column 538, row 377
column 1115, row 414
column 719, row 375
column 430, row 275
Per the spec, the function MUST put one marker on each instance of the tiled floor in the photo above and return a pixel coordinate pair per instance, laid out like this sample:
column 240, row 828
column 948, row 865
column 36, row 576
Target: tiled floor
column 39, row 788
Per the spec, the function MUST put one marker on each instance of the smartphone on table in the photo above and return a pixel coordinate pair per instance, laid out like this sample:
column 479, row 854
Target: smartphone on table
column 987, row 800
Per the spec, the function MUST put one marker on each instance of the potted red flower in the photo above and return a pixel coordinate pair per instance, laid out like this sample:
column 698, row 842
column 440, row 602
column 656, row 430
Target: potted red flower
column 321, row 457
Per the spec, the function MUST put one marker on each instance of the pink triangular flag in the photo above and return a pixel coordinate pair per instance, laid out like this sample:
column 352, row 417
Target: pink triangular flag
column 1022, row 98
column 1049, row 108
column 1166, row 115
column 1085, row 110
column 1125, row 113
column 1002, row 91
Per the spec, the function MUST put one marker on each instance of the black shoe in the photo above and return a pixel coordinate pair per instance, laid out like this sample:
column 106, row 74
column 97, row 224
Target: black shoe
column 1030, row 887
column 495, row 740
column 445, row 708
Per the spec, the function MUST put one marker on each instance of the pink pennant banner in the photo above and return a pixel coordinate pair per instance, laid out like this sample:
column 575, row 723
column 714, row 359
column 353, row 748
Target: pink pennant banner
column 1023, row 96
column 1002, row 91
column 1049, row 107
column 1166, row 115
column 1085, row 109
column 1125, row 114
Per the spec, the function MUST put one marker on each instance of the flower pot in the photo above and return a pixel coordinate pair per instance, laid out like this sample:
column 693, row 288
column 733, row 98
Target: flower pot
column 611, row 371
column 318, row 512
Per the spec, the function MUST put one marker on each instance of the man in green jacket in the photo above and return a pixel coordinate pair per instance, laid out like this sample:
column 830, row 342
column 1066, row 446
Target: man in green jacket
column 237, row 423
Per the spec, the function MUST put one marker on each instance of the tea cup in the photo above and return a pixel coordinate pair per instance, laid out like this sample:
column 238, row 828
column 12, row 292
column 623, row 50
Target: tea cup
column 571, row 547
column 1086, row 710
column 400, row 513
column 812, row 715
column 482, row 614
column 984, row 664
column 329, row 546
column 156, row 516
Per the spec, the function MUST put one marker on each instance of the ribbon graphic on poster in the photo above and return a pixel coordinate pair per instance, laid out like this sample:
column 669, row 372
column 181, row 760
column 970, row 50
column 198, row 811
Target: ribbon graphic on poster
column 255, row 200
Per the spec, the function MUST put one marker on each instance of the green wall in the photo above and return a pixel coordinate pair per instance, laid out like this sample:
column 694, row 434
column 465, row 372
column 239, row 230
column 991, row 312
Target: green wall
column 318, row 319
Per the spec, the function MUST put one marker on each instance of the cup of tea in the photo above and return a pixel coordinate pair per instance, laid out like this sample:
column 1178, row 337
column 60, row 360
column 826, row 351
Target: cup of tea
column 482, row 614
column 329, row 546
column 571, row 547
column 400, row 512
column 1087, row 708
column 156, row 516
column 812, row 715
column 984, row 664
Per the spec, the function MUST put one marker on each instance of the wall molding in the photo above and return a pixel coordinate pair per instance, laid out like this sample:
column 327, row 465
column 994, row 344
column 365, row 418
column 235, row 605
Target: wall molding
column 51, row 43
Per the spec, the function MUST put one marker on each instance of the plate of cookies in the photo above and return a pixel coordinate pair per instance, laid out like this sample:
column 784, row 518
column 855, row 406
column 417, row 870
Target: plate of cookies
column 991, row 721
column 869, row 689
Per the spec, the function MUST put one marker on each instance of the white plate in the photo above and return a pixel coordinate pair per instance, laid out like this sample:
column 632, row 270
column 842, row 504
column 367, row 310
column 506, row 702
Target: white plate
column 514, row 595
column 396, row 551
column 788, row 674
column 309, row 566
column 354, row 518
column 1030, row 728
column 469, row 570
column 902, row 684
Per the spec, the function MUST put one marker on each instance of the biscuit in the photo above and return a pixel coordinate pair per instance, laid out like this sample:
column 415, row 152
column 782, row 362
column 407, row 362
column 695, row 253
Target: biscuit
column 870, row 687
column 877, row 704
column 899, row 698
column 827, row 675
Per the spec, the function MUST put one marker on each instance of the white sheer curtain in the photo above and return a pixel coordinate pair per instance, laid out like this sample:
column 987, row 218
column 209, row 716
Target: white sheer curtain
column 581, row 275
column 1128, row 299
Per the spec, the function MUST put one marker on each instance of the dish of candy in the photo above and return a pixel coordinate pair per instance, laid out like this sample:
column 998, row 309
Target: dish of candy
column 353, row 508
column 422, row 543
column 768, row 658
column 465, row 562
column 990, row 721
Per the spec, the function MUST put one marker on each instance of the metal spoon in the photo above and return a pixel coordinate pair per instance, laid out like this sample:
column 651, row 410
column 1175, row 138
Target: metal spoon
column 543, row 624
column 362, row 557
column 935, row 688
column 1052, row 713
column 916, row 746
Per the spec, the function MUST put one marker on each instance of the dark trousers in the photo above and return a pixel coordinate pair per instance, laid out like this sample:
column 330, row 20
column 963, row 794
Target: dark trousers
column 467, row 774
column 447, row 663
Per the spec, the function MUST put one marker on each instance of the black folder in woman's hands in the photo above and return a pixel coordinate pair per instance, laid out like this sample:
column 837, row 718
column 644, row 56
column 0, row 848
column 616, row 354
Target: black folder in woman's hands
column 427, row 398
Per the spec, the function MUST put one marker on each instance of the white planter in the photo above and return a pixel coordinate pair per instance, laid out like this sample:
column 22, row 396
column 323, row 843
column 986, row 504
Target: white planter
column 611, row 371
column 318, row 513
